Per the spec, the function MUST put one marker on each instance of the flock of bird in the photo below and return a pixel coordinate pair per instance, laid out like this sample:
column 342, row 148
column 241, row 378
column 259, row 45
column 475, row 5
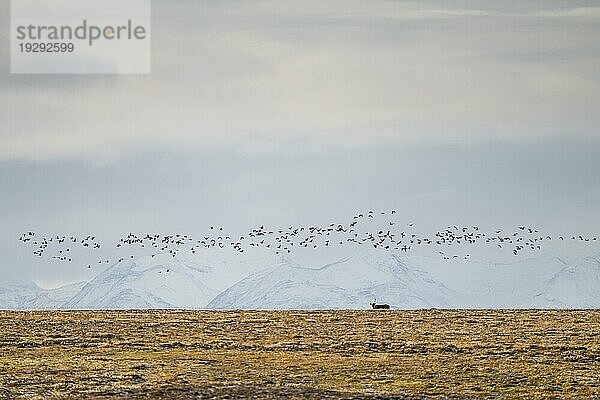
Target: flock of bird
column 64, row 254
column 392, row 236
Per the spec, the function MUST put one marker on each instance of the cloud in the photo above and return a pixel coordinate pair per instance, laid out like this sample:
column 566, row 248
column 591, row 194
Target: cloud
column 578, row 12
column 264, row 77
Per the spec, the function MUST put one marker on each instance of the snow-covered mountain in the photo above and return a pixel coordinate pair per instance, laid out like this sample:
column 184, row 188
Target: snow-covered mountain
column 29, row 296
column 577, row 285
column 260, row 281
column 349, row 283
column 495, row 285
column 147, row 282
column 421, row 282
column 163, row 281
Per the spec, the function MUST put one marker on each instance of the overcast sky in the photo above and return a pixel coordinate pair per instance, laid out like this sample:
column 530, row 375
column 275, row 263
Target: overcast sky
column 305, row 112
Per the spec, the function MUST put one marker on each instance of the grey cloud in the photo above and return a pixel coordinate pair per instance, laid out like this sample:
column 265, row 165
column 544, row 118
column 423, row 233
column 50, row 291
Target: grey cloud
column 224, row 72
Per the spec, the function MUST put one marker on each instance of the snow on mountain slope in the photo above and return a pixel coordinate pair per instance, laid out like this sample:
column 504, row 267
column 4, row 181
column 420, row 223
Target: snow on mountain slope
column 259, row 281
column 29, row 296
column 577, row 285
column 349, row 283
column 192, row 281
column 15, row 295
column 494, row 285
column 147, row 282
column 55, row 298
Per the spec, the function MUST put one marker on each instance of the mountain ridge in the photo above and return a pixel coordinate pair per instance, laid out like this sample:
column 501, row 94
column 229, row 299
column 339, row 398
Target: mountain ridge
column 548, row 281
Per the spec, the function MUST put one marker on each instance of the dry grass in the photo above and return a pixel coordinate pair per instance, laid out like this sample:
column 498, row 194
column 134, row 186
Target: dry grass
column 299, row 354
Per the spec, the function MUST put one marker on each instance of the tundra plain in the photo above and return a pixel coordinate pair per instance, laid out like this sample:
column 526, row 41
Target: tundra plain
column 300, row 354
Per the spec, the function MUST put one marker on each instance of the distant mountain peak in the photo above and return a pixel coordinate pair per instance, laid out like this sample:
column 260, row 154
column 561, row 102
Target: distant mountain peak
column 263, row 281
column 147, row 283
column 350, row 282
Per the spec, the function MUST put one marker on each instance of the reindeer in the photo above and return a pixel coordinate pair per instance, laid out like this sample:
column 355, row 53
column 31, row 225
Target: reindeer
column 376, row 306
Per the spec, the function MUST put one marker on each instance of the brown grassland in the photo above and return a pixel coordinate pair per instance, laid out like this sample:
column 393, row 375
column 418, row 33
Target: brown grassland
column 300, row 354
